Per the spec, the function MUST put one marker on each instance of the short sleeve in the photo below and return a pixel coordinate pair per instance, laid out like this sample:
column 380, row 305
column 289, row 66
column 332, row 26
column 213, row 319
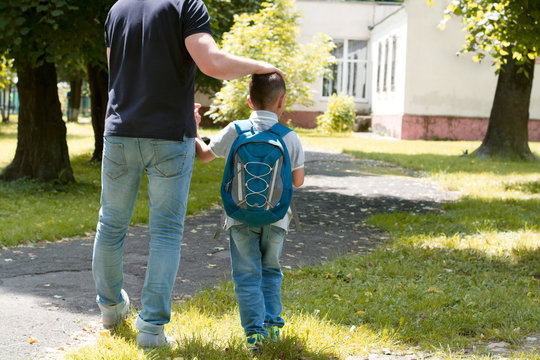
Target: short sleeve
column 222, row 142
column 296, row 152
column 195, row 18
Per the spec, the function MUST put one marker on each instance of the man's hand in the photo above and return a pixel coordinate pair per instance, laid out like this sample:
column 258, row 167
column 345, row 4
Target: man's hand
column 197, row 115
column 266, row 68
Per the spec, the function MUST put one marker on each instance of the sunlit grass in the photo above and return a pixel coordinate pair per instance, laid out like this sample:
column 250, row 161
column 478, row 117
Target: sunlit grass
column 30, row 211
column 80, row 139
column 446, row 282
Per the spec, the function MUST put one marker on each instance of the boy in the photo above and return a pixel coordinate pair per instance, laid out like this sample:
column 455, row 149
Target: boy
column 255, row 251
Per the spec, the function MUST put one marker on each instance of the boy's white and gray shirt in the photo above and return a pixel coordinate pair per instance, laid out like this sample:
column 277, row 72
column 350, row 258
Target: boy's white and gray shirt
column 262, row 120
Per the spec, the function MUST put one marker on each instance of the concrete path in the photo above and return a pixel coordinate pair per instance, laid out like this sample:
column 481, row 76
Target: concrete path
column 47, row 295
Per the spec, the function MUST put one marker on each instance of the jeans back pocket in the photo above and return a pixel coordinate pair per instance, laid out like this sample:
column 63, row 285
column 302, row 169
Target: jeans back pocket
column 169, row 157
column 114, row 160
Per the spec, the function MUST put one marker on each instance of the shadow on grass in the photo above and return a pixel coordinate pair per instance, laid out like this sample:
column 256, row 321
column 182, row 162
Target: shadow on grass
column 193, row 346
column 465, row 217
column 434, row 163
column 8, row 135
column 287, row 348
column 428, row 297
column 529, row 187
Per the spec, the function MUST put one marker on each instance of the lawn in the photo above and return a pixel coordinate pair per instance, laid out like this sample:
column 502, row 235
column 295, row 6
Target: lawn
column 447, row 283
column 31, row 212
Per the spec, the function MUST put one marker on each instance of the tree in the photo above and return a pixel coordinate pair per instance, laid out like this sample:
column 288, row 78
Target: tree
column 72, row 71
column 222, row 19
column 271, row 35
column 93, row 55
column 508, row 31
column 34, row 33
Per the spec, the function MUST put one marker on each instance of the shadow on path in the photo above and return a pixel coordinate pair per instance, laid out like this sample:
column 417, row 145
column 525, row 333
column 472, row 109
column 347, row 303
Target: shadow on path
column 48, row 292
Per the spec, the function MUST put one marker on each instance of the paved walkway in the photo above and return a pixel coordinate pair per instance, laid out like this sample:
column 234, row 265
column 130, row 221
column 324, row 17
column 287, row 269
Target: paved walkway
column 47, row 292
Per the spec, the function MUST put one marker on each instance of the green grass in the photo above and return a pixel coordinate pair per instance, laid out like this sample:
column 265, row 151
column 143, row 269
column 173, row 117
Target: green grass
column 30, row 211
column 447, row 282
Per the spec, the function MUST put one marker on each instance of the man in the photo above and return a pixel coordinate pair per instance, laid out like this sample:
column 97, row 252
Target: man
column 153, row 48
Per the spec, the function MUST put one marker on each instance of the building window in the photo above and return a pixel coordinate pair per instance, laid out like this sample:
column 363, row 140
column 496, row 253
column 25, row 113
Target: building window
column 350, row 71
column 386, row 65
column 379, row 62
column 385, row 78
column 393, row 73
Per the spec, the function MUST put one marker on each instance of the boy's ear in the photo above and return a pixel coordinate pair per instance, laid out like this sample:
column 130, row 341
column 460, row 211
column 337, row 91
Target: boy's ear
column 249, row 102
column 281, row 101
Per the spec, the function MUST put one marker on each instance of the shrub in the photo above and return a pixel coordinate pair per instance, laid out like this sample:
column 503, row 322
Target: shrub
column 271, row 35
column 339, row 115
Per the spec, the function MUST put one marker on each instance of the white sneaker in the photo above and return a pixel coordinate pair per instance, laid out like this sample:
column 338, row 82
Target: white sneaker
column 114, row 315
column 148, row 341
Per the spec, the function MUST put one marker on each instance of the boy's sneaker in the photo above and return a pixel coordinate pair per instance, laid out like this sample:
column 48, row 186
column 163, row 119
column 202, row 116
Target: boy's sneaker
column 254, row 342
column 114, row 315
column 273, row 333
column 149, row 341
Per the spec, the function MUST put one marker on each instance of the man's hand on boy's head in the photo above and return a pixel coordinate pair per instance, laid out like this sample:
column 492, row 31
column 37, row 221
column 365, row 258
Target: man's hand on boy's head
column 266, row 68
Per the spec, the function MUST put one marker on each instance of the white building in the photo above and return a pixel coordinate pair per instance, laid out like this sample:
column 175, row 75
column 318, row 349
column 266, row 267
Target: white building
column 403, row 70
column 348, row 23
column 421, row 89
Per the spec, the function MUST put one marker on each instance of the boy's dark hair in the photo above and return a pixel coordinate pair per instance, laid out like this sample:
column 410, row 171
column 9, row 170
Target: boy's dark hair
column 265, row 89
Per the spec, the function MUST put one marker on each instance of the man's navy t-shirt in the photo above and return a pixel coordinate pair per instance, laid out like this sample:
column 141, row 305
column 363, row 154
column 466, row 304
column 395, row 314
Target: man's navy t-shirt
column 151, row 74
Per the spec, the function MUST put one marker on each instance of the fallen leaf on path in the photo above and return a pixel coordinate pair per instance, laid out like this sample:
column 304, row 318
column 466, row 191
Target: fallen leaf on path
column 32, row 340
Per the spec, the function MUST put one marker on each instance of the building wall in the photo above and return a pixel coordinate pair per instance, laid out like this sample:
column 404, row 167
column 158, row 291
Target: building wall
column 445, row 96
column 388, row 97
column 339, row 20
column 438, row 81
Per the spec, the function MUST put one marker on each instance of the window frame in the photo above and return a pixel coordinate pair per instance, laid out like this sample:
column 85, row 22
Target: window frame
column 344, row 64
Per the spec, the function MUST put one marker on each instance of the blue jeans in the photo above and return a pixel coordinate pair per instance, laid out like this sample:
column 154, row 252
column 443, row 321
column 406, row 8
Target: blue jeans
column 255, row 253
column 168, row 166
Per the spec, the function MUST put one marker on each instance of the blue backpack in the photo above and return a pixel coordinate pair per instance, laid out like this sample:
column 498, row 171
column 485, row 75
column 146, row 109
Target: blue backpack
column 257, row 181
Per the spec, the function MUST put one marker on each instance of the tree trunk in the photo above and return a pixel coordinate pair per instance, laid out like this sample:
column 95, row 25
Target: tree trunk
column 74, row 99
column 5, row 106
column 99, row 96
column 10, row 88
column 42, row 151
column 507, row 134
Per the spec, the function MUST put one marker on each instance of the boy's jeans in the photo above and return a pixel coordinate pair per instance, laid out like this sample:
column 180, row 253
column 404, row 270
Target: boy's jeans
column 255, row 253
column 168, row 165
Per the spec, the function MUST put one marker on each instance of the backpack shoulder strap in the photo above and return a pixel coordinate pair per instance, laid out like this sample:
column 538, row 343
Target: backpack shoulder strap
column 280, row 130
column 243, row 126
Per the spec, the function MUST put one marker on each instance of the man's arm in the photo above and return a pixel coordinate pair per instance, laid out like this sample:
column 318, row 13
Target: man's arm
column 298, row 177
column 219, row 64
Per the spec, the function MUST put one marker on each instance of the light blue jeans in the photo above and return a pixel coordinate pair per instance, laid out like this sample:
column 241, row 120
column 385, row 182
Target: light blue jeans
column 168, row 166
column 255, row 253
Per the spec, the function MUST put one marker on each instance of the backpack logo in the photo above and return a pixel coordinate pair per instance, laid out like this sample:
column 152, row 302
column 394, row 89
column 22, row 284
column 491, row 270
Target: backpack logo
column 257, row 181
